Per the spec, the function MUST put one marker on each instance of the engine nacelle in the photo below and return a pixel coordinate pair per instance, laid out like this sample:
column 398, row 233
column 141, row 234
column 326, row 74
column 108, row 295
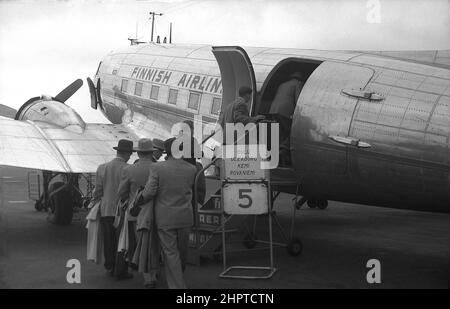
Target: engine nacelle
column 46, row 109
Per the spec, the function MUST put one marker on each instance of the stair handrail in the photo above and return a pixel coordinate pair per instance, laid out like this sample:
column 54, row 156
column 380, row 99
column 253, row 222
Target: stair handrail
column 197, row 176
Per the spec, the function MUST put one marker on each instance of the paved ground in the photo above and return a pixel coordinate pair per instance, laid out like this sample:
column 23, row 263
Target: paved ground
column 413, row 248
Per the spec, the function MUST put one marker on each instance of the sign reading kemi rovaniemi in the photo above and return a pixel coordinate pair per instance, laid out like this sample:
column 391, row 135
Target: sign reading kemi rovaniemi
column 243, row 143
column 241, row 164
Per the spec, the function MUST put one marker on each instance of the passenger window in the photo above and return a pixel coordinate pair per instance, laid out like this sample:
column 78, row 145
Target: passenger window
column 215, row 107
column 194, row 100
column 173, row 96
column 124, row 87
column 154, row 92
column 138, row 89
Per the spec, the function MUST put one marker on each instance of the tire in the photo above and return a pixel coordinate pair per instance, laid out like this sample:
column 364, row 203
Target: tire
column 300, row 203
column 38, row 206
column 312, row 204
column 322, row 204
column 295, row 247
column 61, row 204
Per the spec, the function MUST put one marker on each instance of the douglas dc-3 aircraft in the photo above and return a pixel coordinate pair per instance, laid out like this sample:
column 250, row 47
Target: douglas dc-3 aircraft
column 369, row 127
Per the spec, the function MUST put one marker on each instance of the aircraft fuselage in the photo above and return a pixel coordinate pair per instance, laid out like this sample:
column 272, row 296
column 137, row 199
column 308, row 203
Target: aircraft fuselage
column 366, row 129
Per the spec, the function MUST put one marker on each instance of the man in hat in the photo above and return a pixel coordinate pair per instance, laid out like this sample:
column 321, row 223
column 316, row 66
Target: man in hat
column 195, row 153
column 134, row 177
column 283, row 107
column 238, row 111
column 106, row 186
column 170, row 185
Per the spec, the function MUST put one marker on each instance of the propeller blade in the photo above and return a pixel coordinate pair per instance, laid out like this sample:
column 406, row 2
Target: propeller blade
column 6, row 111
column 67, row 92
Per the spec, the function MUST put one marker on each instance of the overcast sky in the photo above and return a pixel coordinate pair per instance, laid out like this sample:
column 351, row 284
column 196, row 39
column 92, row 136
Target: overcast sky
column 45, row 45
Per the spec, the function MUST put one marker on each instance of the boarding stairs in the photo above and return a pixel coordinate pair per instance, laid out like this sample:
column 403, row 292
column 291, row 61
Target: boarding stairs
column 205, row 240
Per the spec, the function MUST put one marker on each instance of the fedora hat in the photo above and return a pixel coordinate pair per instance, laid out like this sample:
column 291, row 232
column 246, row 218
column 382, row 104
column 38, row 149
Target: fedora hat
column 168, row 145
column 144, row 145
column 124, row 145
column 158, row 144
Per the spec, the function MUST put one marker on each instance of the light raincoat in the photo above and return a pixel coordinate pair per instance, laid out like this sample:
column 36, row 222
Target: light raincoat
column 95, row 238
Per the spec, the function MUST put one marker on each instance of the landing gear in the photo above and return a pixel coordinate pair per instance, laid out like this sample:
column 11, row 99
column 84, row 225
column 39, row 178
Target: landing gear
column 312, row 203
column 322, row 204
column 319, row 203
column 300, row 203
column 38, row 205
column 61, row 203
column 59, row 198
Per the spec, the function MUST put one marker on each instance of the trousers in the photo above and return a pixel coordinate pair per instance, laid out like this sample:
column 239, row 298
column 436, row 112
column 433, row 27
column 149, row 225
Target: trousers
column 174, row 244
column 114, row 261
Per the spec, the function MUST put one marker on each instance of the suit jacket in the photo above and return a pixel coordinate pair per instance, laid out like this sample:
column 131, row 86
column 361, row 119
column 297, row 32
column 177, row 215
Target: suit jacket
column 106, row 185
column 133, row 177
column 236, row 112
column 170, row 183
column 201, row 185
column 286, row 98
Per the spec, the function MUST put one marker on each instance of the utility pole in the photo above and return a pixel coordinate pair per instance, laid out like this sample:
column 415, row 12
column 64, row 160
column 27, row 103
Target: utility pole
column 153, row 14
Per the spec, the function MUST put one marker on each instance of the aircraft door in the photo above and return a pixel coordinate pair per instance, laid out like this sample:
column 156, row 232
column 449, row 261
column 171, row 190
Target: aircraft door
column 322, row 118
column 236, row 70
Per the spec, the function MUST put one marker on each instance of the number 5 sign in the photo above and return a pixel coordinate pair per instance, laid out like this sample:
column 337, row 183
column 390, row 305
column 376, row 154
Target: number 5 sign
column 245, row 198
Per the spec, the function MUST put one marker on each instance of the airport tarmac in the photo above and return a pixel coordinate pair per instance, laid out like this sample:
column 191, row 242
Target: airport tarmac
column 412, row 247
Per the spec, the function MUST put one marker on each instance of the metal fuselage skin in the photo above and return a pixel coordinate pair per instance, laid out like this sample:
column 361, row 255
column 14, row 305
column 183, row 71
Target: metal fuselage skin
column 401, row 109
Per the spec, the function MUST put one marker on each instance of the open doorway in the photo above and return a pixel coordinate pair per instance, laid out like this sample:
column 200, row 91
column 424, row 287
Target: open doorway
column 278, row 98
column 280, row 74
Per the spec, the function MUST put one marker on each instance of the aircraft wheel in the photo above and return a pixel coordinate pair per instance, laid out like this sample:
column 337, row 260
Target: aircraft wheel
column 300, row 203
column 250, row 241
column 312, row 203
column 295, row 247
column 38, row 206
column 322, row 204
column 61, row 204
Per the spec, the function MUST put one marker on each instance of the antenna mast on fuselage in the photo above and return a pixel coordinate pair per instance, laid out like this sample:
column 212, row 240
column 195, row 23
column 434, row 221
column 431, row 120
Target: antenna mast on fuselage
column 153, row 14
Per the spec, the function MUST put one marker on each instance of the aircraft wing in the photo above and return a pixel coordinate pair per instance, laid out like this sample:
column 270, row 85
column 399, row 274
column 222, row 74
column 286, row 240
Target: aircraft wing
column 44, row 146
